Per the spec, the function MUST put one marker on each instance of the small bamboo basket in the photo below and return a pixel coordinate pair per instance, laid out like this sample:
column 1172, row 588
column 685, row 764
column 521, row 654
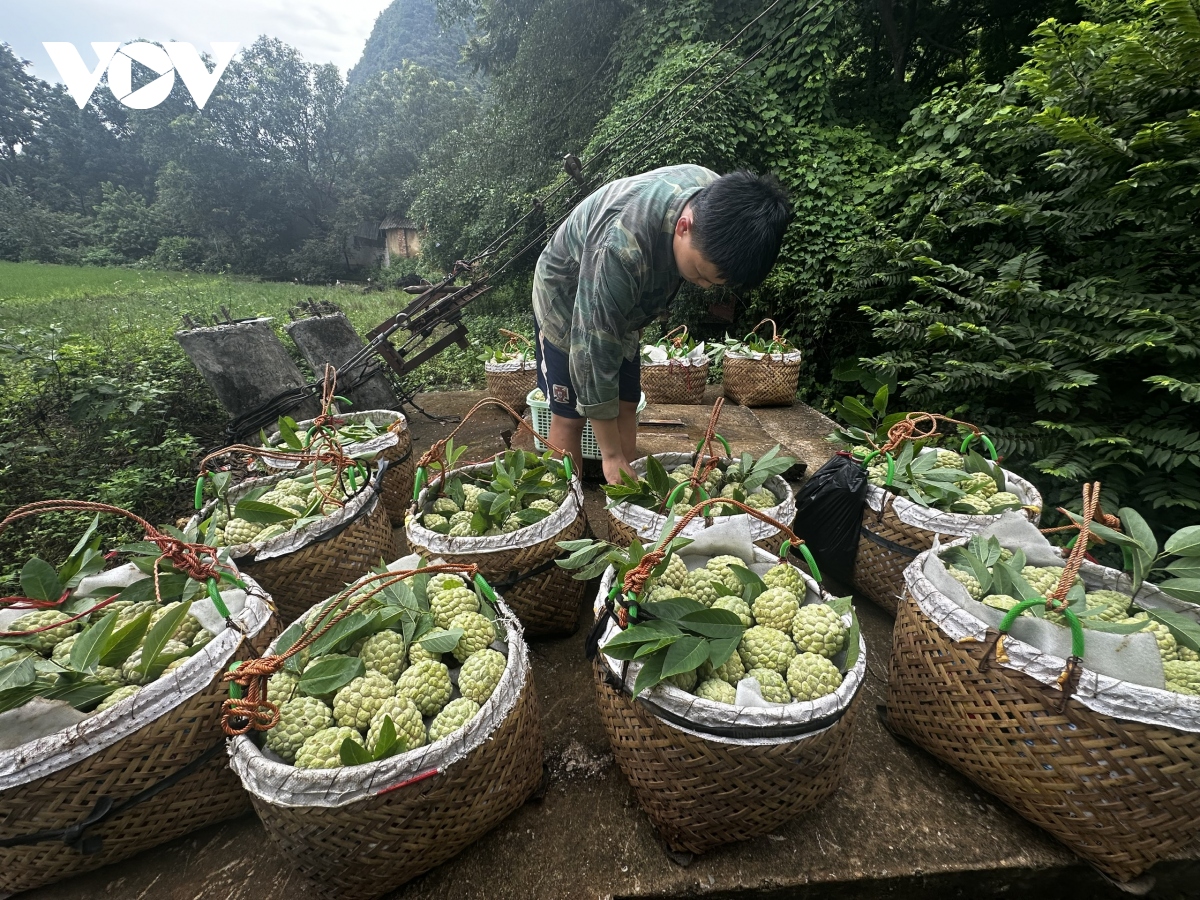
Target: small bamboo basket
column 675, row 381
column 1121, row 794
column 510, row 382
column 769, row 381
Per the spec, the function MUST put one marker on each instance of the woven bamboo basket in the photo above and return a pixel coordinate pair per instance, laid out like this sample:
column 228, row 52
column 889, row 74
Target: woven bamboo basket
column 702, row 790
column 358, row 836
column 150, row 785
column 887, row 544
column 510, row 382
column 675, row 380
column 398, row 483
column 769, row 380
column 326, row 558
column 520, row 565
column 1121, row 794
column 626, row 521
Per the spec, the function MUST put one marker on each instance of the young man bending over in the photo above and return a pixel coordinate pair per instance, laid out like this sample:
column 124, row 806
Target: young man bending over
column 613, row 266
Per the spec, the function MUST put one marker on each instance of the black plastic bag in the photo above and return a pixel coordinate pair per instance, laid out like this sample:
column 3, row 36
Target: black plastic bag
column 829, row 511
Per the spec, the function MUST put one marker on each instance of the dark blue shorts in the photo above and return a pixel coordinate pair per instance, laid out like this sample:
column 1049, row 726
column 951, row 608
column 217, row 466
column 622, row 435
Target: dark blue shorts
column 554, row 378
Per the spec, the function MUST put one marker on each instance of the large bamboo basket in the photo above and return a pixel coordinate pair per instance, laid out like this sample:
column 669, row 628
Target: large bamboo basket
column 626, row 521
column 1121, row 794
column 163, row 780
column 702, row 790
column 523, row 568
column 404, row 817
column 887, row 544
column 398, row 481
column 769, row 380
column 331, row 555
column 676, row 380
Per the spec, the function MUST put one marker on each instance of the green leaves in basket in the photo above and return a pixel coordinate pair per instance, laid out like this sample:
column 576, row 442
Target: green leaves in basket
column 262, row 513
column 124, row 640
column 389, row 743
column 39, row 580
column 330, row 674
column 682, row 635
column 91, row 643
column 154, row 661
column 441, row 640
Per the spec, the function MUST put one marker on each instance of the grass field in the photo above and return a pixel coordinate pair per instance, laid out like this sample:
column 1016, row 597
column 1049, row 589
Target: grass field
column 115, row 306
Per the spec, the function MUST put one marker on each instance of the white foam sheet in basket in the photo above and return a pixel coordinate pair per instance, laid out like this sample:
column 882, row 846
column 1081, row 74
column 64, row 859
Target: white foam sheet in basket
column 1122, row 673
column 283, row 785
column 51, row 752
column 369, row 449
column 733, row 539
column 656, row 356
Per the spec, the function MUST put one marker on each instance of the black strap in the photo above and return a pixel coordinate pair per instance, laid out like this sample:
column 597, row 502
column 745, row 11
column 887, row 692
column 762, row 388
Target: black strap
column 515, row 578
column 76, row 836
column 890, row 545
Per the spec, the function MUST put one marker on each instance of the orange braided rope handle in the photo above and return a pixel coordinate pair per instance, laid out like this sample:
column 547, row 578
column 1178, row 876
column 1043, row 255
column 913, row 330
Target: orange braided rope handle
column 910, row 429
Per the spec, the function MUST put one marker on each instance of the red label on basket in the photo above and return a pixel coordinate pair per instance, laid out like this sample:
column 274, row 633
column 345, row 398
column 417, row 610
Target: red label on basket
column 562, row 393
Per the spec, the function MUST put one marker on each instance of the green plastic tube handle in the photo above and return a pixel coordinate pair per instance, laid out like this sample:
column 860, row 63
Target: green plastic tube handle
column 419, row 482
column 568, row 467
column 987, row 442
column 485, row 589
column 235, row 689
column 1076, row 629
column 215, row 596
column 724, row 443
column 199, row 491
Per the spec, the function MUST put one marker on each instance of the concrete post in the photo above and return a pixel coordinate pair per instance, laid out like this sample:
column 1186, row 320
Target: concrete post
column 332, row 339
column 246, row 365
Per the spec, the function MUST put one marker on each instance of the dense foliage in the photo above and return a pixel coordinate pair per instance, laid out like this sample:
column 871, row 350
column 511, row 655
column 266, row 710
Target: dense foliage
column 1035, row 258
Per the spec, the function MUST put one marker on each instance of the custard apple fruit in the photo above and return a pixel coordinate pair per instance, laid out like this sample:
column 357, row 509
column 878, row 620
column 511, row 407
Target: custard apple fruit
column 546, row 505
column 771, row 685
column 979, row 483
column 948, row 459
column 446, row 581
column 685, row 681
column 462, row 529
column 967, row 580
column 716, row 690
column 471, row 494
column 444, row 506
column 461, row 518
column 357, row 702
column 1114, row 604
column 762, row 499
column 62, row 650
column 720, row 566
column 1183, row 677
column 1002, row 602
column 817, row 628
column 699, row 586
column 299, row 719
column 811, row 675
column 775, row 608
column 480, row 674
column 434, row 522
column 1003, row 499
column 416, row 653
column 731, row 671
column 445, row 605
column 188, row 630
column 323, row 750
column 1187, row 654
column 456, row 714
column 478, row 632
column 383, row 652
column 117, row 696
column 976, row 505
column 239, row 531
column 766, row 648
column 282, row 687
column 676, row 573
column 427, row 684
column 44, row 641
column 786, row 577
column 129, row 673
column 406, row 720
column 738, row 607
column 662, row 592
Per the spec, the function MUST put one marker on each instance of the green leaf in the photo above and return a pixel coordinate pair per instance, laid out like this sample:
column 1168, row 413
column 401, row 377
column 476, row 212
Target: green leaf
column 720, row 649
column 288, row 431
column 675, row 608
column 685, row 655
column 39, row 580
column 1147, row 544
column 645, row 649
column 656, row 477
column 356, row 625
column 285, row 642
column 354, row 754
column 1113, row 627
column 1185, row 567
column 330, row 674
column 157, row 637
column 880, row 401
column 852, row 647
column 1184, row 542
column 713, row 623
column 17, row 674
column 442, row 640
column 651, row 672
column 841, row 605
column 626, row 644
column 124, row 640
column 1186, row 630
column 89, row 646
column 1187, row 589
column 262, row 513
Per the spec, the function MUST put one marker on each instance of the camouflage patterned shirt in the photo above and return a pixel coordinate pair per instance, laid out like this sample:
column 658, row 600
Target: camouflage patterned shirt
column 608, row 272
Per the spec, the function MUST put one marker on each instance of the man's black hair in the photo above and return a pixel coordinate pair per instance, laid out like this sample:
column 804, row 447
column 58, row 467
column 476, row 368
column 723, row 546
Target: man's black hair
column 738, row 224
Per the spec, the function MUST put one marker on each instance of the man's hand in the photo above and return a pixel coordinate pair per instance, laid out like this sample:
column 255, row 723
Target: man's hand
column 614, row 466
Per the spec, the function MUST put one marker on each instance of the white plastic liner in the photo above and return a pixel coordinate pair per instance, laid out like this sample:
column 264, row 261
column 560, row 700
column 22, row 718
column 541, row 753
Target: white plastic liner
column 555, row 523
column 732, row 538
column 653, row 355
column 1122, row 674
column 361, row 503
column 46, row 755
column 521, row 364
column 649, row 524
column 948, row 522
column 384, row 418
column 283, row 785
column 790, row 357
